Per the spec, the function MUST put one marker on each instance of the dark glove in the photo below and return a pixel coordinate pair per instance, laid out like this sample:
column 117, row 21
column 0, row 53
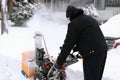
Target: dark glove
column 54, row 72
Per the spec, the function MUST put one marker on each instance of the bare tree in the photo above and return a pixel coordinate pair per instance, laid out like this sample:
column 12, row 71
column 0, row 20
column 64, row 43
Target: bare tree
column 4, row 25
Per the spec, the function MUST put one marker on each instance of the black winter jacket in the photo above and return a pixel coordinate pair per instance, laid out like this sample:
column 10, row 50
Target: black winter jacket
column 84, row 32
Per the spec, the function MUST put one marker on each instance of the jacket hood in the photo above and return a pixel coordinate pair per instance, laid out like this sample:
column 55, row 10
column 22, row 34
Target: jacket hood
column 73, row 12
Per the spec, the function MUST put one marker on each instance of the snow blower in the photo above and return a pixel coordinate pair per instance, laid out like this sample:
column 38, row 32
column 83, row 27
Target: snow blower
column 42, row 61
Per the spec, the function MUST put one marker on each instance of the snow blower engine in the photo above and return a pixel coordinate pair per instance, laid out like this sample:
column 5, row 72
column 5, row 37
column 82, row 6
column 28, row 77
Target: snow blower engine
column 44, row 62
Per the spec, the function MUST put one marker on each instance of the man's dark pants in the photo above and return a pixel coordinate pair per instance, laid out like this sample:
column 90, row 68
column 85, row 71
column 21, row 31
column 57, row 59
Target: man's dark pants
column 93, row 66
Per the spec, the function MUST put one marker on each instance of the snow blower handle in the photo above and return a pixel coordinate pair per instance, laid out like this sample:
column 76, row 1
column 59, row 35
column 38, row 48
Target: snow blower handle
column 75, row 49
column 54, row 72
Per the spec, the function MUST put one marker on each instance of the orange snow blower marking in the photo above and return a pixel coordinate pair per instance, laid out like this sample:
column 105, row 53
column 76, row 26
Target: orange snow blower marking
column 28, row 63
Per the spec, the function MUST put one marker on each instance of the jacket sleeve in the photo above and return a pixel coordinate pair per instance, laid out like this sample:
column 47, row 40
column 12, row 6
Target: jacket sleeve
column 69, row 42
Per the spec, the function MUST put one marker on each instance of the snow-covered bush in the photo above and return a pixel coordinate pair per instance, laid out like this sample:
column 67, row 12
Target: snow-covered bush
column 21, row 12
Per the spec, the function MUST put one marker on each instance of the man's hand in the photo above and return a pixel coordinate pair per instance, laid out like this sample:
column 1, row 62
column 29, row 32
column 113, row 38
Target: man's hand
column 54, row 73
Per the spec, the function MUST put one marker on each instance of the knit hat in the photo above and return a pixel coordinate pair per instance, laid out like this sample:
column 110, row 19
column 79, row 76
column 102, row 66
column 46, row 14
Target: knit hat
column 73, row 11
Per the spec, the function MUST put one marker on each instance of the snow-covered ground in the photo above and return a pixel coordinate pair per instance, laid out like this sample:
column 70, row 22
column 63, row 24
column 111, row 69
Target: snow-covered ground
column 54, row 27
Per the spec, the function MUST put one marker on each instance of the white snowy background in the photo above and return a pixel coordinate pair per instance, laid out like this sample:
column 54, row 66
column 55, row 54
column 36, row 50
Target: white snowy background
column 53, row 25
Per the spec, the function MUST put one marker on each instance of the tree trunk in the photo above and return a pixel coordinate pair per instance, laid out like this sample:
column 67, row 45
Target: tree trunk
column 4, row 17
